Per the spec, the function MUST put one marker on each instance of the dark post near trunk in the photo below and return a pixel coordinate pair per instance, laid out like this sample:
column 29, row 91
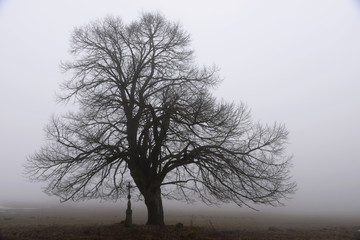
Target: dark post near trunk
column 128, row 219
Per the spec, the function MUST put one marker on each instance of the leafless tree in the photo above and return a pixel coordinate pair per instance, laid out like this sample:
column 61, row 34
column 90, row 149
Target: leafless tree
column 145, row 113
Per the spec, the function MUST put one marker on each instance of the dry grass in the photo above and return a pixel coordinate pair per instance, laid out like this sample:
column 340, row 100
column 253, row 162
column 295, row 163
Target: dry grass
column 103, row 223
column 141, row 232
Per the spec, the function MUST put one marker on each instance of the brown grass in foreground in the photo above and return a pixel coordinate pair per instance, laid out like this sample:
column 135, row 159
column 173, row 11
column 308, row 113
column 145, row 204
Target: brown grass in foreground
column 141, row 232
column 102, row 222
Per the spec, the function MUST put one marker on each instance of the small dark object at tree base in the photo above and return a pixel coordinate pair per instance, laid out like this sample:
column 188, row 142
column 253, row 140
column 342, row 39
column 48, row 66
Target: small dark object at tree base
column 179, row 225
column 128, row 219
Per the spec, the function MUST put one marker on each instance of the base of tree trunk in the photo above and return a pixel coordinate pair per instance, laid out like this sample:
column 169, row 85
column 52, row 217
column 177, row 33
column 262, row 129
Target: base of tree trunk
column 154, row 206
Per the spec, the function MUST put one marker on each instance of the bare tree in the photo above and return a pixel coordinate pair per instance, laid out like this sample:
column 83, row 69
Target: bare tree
column 145, row 113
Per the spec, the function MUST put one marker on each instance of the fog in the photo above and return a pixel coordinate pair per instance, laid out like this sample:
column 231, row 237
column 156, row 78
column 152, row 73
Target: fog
column 294, row 62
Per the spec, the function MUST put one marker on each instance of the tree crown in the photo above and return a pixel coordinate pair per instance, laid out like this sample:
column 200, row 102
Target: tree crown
column 146, row 113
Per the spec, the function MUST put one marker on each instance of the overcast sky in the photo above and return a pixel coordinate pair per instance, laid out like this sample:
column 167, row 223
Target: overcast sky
column 296, row 62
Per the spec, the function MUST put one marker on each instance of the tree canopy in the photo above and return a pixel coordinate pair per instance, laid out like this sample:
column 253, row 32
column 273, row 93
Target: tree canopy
column 145, row 113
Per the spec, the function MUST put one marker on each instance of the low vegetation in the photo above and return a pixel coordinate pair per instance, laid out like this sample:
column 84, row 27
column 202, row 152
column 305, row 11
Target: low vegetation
column 141, row 232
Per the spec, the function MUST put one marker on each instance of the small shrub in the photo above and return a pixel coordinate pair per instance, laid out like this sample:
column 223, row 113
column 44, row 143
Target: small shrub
column 179, row 225
column 192, row 234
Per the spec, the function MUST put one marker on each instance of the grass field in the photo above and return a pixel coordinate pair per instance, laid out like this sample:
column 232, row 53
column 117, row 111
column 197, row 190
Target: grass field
column 100, row 223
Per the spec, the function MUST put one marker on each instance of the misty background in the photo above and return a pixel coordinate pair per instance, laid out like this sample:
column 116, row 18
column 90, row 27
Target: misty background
column 295, row 62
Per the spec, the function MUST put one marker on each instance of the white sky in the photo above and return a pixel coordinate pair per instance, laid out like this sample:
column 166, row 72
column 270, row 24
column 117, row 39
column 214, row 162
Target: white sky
column 295, row 62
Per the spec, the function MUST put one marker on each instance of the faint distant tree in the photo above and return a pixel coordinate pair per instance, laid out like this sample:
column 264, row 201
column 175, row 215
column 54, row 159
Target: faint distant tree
column 145, row 113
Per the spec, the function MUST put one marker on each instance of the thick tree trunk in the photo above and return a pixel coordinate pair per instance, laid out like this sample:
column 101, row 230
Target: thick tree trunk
column 154, row 206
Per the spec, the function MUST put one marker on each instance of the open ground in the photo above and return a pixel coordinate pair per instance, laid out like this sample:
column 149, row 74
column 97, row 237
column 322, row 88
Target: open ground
column 100, row 223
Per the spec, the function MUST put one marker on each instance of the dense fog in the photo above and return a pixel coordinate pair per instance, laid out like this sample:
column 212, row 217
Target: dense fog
column 293, row 62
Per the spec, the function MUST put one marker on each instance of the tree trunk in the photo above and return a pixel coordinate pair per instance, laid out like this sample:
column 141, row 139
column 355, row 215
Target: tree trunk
column 154, row 206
